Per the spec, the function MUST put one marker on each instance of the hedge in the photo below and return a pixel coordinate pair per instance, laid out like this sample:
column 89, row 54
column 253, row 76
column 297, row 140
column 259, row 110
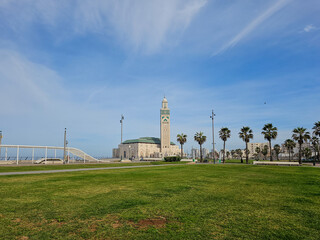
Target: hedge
column 172, row 159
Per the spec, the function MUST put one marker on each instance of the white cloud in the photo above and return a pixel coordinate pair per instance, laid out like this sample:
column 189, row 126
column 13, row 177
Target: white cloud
column 309, row 28
column 253, row 25
column 142, row 25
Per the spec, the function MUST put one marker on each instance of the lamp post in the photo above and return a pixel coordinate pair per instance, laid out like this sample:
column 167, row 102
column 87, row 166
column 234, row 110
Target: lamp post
column 121, row 121
column 129, row 154
column 64, row 146
column 213, row 151
column 0, row 143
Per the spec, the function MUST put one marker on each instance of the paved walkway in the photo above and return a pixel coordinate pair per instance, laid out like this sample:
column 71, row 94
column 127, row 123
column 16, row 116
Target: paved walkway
column 82, row 169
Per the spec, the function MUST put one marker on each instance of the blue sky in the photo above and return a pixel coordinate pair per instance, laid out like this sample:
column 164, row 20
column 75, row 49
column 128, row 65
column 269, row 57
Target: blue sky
column 81, row 64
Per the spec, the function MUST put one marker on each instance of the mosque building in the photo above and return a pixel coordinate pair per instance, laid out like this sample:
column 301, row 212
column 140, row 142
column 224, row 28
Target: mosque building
column 150, row 147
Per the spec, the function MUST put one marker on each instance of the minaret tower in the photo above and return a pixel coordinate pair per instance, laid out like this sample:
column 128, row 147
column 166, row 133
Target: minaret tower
column 165, row 126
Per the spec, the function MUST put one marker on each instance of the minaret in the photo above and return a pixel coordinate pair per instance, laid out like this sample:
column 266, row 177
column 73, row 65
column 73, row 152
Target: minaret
column 165, row 126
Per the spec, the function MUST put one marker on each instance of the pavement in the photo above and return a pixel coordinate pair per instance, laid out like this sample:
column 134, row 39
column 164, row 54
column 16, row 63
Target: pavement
column 81, row 169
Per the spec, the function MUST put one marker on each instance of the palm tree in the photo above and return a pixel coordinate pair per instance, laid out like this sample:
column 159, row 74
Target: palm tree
column 224, row 134
column 307, row 153
column 265, row 151
column 228, row 154
column 269, row 132
column 289, row 144
column 200, row 138
column 315, row 146
column 316, row 129
column 239, row 153
column 277, row 150
column 316, row 132
column 182, row 139
column 246, row 134
column 300, row 135
column 232, row 153
column 258, row 150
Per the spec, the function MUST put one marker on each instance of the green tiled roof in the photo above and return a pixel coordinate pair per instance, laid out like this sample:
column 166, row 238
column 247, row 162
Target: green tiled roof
column 152, row 140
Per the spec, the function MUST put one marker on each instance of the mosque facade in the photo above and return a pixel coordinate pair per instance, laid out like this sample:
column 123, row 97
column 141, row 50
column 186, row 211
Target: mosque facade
column 150, row 147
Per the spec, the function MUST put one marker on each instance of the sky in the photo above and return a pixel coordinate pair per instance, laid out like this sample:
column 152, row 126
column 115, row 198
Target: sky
column 80, row 64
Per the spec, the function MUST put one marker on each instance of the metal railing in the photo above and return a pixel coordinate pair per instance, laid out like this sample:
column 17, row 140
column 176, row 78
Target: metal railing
column 74, row 151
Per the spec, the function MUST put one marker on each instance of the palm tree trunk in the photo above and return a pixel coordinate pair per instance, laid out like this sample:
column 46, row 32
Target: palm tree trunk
column 247, row 158
column 289, row 156
column 224, row 150
column 300, row 161
column 181, row 151
column 270, row 151
column 200, row 153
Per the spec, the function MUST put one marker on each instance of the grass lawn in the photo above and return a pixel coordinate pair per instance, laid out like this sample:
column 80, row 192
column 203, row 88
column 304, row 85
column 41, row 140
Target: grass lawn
column 21, row 168
column 171, row 202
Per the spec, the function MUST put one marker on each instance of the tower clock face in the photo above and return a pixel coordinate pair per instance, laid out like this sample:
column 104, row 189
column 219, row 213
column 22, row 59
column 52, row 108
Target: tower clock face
column 165, row 118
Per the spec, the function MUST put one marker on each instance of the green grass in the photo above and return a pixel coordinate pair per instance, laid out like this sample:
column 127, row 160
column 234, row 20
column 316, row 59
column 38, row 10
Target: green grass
column 21, row 168
column 171, row 202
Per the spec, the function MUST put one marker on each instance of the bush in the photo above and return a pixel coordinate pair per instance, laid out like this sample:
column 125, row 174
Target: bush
column 172, row 159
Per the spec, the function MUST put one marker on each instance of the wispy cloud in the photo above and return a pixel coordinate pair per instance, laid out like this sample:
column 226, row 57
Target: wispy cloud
column 253, row 25
column 309, row 28
column 142, row 25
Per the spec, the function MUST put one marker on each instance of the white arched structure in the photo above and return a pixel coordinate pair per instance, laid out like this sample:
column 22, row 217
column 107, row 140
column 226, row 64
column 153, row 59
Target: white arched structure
column 74, row 151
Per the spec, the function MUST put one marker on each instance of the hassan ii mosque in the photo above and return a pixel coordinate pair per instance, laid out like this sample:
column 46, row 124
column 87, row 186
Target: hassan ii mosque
column 150, row 147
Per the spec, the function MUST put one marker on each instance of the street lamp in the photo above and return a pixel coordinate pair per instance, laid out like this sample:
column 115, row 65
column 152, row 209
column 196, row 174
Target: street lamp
column 121, row 121
column 64, row 145
column 0, row 143
column 213, row 153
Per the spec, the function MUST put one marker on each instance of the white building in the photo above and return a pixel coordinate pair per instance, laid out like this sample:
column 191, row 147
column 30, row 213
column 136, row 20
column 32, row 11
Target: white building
column 150, row 147
column 195, row 153
column 205, row 152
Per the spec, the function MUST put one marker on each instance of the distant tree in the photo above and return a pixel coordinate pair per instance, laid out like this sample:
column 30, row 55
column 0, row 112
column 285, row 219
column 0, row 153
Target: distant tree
column 269, row 132
column 182, row 139
column 216, row 154
column 300, row 135
column 264, row 151
column 316, row 129
column 277, row 150
column 307, row 153
column 315, row 147
column 228, row 154
column 200, row 138
column 257, row 150
column 224, row 134
column 316, row 133
column 246, row 134
column 232, row 153
column 239, row 153
column 290, row 145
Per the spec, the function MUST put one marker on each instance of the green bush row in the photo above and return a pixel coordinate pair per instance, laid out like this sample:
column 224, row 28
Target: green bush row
column 172, row 159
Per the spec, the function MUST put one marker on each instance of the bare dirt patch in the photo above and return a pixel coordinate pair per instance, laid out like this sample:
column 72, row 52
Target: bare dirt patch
column 158, row 222
column 93, row 228
column 117, row 225
column 56, row 222
column 23, row 238
column 17, row 220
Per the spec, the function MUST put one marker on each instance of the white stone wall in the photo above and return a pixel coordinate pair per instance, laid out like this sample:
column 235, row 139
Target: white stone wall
column 146, row 150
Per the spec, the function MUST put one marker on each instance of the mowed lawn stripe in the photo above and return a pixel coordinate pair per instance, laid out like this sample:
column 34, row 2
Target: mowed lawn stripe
column 40, row 167
column 80, row 169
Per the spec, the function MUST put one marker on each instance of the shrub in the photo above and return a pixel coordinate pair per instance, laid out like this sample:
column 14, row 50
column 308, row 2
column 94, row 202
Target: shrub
column 172, row 159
